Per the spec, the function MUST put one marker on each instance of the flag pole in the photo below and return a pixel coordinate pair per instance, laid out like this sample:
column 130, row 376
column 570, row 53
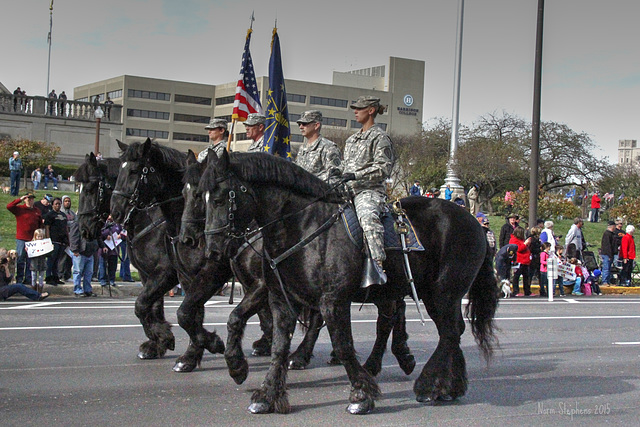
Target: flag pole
column 49, row 40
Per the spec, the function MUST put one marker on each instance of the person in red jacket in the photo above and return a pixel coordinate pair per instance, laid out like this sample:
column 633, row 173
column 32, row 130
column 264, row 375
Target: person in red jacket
column 523, row 257
column 627, row 255
column 28, row 220
column 595, row 206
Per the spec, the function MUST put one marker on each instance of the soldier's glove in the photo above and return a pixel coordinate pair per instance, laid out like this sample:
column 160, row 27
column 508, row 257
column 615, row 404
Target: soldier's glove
column 349, row 176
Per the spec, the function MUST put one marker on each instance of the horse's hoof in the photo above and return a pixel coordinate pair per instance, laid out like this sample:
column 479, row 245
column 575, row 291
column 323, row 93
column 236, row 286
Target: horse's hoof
column 143, row 355
column 258, row 352
column 259, row 408
column 296, row 365
column 183, row 367
column 428, row 400
column 408, row 364
column 361, row 408
column 334, row 361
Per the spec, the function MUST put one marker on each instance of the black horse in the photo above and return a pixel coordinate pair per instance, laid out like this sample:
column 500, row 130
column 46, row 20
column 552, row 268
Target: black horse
column 313, row 263
column 391, row 313
column 98, row 178
column 150, row 179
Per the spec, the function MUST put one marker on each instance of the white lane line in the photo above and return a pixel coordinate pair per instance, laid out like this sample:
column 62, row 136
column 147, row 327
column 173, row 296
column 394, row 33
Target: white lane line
column 34, row 305
column 42, row 328
column 627, row 343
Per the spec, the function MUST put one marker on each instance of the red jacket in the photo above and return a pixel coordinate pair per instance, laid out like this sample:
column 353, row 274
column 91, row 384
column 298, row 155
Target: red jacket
column 595, row 202
column 524, row 254
column 27, row 220
column 628, row 247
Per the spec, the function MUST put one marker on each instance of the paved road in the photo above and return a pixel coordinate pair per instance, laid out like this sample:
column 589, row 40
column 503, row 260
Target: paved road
column 72, row 363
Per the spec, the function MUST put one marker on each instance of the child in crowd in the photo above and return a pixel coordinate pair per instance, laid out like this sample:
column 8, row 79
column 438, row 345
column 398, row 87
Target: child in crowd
column 560, row 260
column 38, row 264
column 579, row 276
column 544, row 259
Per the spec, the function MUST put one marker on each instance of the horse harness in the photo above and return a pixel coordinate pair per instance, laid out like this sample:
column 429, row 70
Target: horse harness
column 103, row 187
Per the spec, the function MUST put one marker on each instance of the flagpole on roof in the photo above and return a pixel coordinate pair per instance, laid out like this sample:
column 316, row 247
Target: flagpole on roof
column 49, row 41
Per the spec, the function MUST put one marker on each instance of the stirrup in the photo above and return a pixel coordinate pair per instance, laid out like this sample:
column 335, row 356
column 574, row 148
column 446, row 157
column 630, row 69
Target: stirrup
column 373, row 274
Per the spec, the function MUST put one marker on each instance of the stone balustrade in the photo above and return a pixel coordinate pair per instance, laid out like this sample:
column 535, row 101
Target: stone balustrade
column 67, row 109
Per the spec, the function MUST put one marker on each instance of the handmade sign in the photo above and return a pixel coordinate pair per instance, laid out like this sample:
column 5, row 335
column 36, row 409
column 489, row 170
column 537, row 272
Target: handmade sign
column 567, row 271
column 38, row 247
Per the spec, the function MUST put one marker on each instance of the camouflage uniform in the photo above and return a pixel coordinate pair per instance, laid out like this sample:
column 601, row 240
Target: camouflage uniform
column 321, row 157
column 218, row 147
column 255, row 119
column 257, row 146
column 369, row 155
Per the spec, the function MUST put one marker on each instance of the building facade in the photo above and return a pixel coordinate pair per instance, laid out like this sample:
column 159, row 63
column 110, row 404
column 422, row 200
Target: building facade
column 174, row 113
column 628, row 152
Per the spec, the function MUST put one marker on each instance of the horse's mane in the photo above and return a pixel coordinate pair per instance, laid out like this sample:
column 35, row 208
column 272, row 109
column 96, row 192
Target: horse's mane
column 109, row 166
column 263, row 168
column 169, row 158
column 193, row 173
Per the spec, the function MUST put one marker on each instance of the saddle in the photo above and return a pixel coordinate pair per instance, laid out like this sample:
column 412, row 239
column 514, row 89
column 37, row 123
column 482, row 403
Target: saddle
column 391, row 224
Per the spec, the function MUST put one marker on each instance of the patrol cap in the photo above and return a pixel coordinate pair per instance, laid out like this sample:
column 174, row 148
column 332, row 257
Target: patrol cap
column 216, row 123
column 365, row 101
column 310, row 116
column 255, row 119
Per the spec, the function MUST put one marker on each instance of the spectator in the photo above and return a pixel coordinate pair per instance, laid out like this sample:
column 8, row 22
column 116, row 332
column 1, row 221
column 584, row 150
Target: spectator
column 504, row 259
column 520, row 190
column 536, row 248
column 415, row 189
column 524, row 259
column 52, row 104
column 55, row 222
column 28, row 220
column 7, row 290
column 125, row 262
column 608, row 250
column 595, row 206
column 66, row 263
column 38, row 264
column 579, row 277
column 17, row 97
column 107, row 107
column 96, row 102
column 507, row 229
column 98, row 156
column 448, row 192
column 50, row 175
column 559, row 278
column 109, row 253
column 429, row 194
column 36, row 176
column 62, row 103
column 472, row 195
column 616, row 247
column 544, row 268
column 491, row 237
column 547, row 235
column 460, row 202
column 508, row 201
column 44, row 205
column 573, row 241
column 627, row 255
column 15, row 168
column 83, row 251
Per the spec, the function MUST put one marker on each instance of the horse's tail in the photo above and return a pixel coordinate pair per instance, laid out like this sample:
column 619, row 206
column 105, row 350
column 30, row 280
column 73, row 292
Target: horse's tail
column 481, row 309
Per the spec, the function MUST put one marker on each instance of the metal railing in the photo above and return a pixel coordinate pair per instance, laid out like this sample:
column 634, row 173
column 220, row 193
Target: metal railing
column 67, row 109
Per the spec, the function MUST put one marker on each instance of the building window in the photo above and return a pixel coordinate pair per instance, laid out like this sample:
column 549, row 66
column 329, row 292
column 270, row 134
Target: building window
column 189, row 99
column 190, row 137
column 293, row 118
column 294, row 97
column 145, row 114
column 332, row 121
column 331, row 102
column 382, row 126
column 85, row 99
column 190, row 118
column 241, row 136
column 148, row 133
column 145, row 94
column 355, row 125
column 114, row 94
column 296, row 138
column 227, row 118
column 100, row 96
column 225, row 100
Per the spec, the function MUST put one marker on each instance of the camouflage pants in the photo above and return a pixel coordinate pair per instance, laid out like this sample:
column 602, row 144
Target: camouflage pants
column 369, row 205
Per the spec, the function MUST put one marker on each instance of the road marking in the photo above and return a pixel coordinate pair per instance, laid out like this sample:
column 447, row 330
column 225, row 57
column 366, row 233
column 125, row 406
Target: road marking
column 35, row 305
column 627, row 343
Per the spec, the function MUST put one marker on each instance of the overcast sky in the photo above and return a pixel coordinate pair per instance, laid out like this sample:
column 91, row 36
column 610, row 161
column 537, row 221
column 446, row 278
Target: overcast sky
column 591, row 63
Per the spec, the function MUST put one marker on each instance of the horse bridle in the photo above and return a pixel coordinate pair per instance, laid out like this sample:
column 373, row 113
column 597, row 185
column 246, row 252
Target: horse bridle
column 230, row 227
column 103, row 186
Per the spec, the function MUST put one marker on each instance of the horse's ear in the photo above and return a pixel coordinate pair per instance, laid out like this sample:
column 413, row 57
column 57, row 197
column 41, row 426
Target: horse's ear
column 146, row 147
column 211, row 156
column 191, row 158
column 224, row 160
column 123, row 147
column 91, row 159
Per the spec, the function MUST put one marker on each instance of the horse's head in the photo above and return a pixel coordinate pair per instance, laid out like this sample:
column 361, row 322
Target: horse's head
column 140, row 182
column 230, row 206
column 96, row 180
column 193, row 215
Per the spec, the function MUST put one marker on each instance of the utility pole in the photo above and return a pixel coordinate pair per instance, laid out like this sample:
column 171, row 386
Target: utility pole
column 535, row 132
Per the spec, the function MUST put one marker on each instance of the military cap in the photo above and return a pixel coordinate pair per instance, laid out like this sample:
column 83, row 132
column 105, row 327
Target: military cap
column 365, row 101
column 216, row 123
column 255, row 119
column 310, row 116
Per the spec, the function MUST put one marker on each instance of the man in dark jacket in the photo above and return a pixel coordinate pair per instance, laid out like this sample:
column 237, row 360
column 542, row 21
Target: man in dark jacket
column 607, row 252
column 507, row 229
column 83, row 251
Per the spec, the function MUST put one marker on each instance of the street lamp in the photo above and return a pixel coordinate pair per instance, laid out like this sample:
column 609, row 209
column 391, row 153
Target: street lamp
column 99, row 114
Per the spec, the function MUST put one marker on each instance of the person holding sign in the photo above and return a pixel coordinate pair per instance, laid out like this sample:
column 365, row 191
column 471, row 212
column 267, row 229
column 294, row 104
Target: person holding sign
column 38, row 264
column 109, row 254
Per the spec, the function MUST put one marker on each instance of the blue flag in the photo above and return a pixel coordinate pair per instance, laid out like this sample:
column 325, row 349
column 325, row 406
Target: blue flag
column 277, row 131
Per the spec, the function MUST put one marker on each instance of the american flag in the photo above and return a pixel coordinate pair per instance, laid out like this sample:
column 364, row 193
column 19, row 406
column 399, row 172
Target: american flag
column 247, row 100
